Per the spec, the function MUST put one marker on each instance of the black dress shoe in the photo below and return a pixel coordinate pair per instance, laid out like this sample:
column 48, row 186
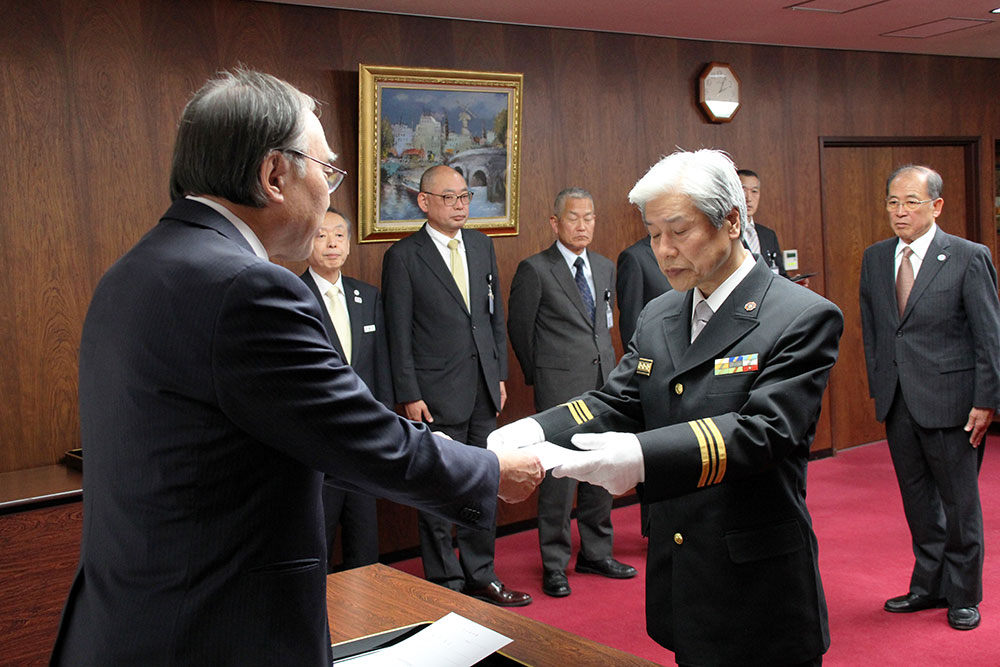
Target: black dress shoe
column 912, row 602
column 608, row 567
column 963, row 618
column 554, row 583
column 498, row 594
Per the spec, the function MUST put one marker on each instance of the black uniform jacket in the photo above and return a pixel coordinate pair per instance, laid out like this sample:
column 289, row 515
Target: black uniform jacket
column 725, row 426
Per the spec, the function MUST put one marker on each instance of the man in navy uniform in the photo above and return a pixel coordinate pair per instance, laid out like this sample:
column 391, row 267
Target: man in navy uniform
column 712, row 412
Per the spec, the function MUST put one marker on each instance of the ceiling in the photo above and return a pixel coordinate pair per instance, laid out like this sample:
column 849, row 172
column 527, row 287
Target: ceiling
column 936, row 27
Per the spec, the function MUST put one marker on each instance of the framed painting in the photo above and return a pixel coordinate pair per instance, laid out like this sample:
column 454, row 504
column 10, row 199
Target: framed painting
column 414, row 118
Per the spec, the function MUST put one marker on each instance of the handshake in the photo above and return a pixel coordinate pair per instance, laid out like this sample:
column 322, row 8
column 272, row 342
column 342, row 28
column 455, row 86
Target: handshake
column 612, row 460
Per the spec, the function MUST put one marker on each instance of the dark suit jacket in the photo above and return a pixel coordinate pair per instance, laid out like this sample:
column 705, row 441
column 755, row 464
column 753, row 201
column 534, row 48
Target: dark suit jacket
column 560, row 350
column 732, row 568
column 769, row 248
column 437, row 346
column 209, row 398
column 639, row 281
column 369, row 349
column 945, row 352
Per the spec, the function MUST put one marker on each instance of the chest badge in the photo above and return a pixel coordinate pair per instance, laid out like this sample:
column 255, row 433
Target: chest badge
column 644, row 367
column 744, row 363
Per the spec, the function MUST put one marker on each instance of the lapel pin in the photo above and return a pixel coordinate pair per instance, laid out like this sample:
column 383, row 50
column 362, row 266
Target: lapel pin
column 941, row 257
column 750, row 306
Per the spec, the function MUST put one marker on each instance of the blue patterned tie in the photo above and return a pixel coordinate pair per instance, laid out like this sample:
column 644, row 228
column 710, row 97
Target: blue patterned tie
column 581, row 284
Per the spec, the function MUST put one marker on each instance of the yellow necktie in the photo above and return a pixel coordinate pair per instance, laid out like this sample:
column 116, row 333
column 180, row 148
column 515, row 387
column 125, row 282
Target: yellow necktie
column 341, row 323
column 458, row 270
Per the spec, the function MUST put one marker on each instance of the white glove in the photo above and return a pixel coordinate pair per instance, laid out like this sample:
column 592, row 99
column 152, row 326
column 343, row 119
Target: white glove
column 612, row 460
column 515, row 435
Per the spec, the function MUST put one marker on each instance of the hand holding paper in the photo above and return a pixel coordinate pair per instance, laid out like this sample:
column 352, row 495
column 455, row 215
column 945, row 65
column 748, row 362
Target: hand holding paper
column 520, row 473
column 612, row 460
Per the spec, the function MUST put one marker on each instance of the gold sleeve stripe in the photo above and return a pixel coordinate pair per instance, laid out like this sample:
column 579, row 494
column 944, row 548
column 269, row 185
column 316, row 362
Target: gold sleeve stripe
column 581, row 413
column 713, row 451
column 573, row 411
column 703, row 446
column 720, row 446
column 713, row 454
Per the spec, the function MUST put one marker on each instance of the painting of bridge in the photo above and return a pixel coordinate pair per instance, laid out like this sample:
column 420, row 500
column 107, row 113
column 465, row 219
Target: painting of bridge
column 420, row 118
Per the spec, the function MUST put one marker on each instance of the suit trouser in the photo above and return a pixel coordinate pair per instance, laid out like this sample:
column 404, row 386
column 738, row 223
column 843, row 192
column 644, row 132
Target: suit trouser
column 555, row 507
column 937, row 471
column 593, row 518
column 357, row 516
column 473, row 567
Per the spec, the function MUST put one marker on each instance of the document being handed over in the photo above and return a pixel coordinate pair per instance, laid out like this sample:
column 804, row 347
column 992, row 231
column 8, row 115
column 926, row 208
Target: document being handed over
column 452, row 641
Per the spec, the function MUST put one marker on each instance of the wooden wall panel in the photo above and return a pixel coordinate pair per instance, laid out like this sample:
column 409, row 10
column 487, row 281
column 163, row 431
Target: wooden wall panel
column 93, row 91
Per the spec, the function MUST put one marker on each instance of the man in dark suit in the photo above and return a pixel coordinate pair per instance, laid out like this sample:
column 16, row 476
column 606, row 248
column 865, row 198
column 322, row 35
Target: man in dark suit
column 931, row 327
column 762, row 241
column 639, row 281
column 559, row 322
column 448, row 346
column 712, row 411
column 354, row 321
column 210, row 396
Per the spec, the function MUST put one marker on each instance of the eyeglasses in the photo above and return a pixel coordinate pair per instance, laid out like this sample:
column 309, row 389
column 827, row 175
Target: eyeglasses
column 450, row 199
column 334, row 175
column 892, row 203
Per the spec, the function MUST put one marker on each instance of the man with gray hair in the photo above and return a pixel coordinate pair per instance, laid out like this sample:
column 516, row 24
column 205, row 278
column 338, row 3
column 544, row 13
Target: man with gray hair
column 930, row 321
column 711, row 412
column 211, row 402
column 559, row 320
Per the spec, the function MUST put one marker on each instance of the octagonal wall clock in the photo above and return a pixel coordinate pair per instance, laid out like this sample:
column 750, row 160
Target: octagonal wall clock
column 719, row 92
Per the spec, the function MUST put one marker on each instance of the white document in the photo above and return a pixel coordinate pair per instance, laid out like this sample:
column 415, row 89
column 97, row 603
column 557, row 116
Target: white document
column 452, row 641
column 553, row 455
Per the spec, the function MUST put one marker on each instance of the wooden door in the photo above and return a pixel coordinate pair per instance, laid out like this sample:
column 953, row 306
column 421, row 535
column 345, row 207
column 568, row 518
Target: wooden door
column 853, row 177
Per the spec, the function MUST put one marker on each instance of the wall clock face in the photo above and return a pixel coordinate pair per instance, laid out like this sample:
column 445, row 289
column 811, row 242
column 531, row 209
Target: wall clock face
column 719, row 92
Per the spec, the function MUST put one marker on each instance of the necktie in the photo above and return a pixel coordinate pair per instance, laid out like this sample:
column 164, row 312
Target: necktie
column 753, row 241
column 458, row 270
column 904, row 280
column 341, row 323
column 702, row 314
column 581, row 284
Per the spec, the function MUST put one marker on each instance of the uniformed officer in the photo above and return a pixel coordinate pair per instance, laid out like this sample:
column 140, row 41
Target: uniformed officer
column 711, row 412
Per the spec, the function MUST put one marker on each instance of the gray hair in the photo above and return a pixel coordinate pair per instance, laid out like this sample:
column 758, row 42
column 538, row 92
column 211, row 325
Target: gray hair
column 569, row 193
column 935, row 184
column 227, row 130
column 707, row 176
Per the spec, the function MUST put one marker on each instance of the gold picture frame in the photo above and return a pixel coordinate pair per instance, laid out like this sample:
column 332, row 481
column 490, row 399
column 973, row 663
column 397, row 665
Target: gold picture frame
column 412, row 118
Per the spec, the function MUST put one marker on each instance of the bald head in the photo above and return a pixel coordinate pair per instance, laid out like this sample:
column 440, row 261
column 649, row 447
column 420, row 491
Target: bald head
column 436, row 184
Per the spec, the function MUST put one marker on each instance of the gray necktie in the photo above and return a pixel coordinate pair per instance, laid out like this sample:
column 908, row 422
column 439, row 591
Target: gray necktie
column 702, row 314
column 753, row 241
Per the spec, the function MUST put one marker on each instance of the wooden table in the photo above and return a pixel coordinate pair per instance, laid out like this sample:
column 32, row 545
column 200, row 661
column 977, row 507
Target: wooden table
column 21, row 489
column 377, row 598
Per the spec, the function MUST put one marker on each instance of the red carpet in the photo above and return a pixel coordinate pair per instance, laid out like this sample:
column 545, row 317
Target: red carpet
column 865, row 558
